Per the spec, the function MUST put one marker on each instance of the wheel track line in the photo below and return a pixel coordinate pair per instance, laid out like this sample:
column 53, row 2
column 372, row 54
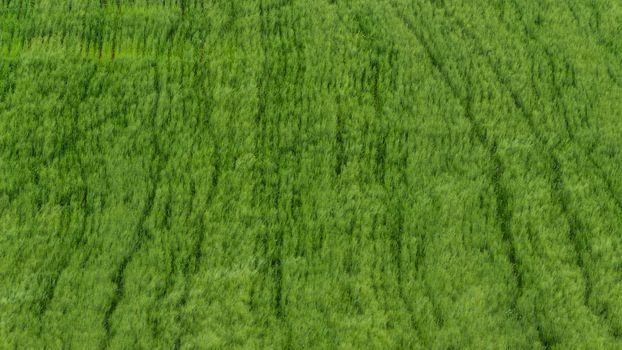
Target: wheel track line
column 597, row 35
column 295, row 202
column 396, row 235
column 599, row 170
column 520, row 106
column 166, row 225
column 421, row 254
column 141, row 234
column 558, row 187
column 502, row 197
column 260, row 141
column 378, row 104
column 274, row 258
column 400, row 281
column 557, row 184
column 50, row 289
column 574, row 222
column 381, row 149
column 192, row 263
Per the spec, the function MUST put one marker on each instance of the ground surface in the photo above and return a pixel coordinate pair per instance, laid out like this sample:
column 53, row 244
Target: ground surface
column 325, row 174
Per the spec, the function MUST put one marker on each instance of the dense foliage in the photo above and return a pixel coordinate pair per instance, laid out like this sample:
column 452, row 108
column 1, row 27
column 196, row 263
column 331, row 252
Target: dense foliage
column 431, row 174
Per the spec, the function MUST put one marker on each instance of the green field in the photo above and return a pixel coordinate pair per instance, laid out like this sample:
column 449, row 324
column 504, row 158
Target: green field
column 293, row 174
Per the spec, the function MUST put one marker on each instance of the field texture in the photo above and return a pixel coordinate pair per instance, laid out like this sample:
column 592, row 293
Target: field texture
column 291, row 174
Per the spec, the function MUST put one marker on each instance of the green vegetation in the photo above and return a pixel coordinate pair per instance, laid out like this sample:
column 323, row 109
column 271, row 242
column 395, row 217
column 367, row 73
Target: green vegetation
column 396, row 174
